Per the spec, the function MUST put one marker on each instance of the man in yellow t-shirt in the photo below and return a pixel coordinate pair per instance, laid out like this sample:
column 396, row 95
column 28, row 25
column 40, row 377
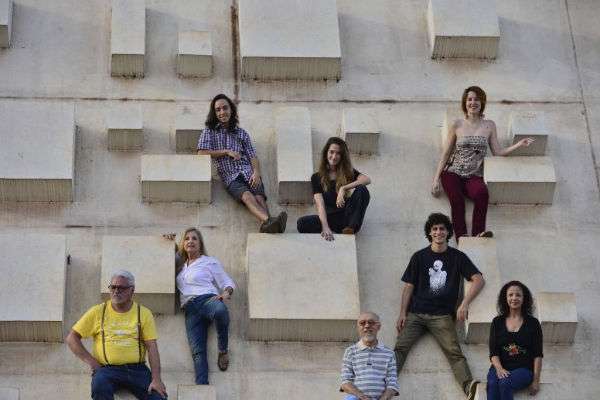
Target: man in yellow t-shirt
column 123, row 332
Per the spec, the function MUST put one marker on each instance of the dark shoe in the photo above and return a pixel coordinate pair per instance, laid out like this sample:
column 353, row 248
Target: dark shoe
column 223, row 361
column 348, row 231
column 486, row 234
column 282, row 217
column 272, row 225
column 471, row 389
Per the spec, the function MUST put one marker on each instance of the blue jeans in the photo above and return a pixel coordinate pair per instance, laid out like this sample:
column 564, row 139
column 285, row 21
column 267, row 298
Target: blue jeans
column 134, row 377
column 199, row 313
column 503, row 389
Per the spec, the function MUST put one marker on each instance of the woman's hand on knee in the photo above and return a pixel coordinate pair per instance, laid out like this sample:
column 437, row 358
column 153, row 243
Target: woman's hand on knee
column 501, row 373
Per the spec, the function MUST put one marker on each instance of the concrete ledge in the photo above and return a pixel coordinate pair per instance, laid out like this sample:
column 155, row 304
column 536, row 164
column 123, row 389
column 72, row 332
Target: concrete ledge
column 483, row 253
column 34, row 315
column 6, row 11
column 301, row 287
column 545, row 393
column 128, row 38
column 194, row 56
column 37, row 151
column 295, row 39
column 520, row 180
column 172, row 178
column 360, row 130
column 9, row 394
column 196, row 392
column 151, row 260
column 558, row 315
column 463, row 29
column 528, row 124
column 125, row 128
column 294, row 155
column 188, row 128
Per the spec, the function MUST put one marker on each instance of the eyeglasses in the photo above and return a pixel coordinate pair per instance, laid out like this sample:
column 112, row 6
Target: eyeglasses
column 116, row 288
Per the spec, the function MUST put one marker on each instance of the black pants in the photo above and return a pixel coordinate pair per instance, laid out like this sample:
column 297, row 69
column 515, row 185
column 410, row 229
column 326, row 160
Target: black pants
column 351, row 215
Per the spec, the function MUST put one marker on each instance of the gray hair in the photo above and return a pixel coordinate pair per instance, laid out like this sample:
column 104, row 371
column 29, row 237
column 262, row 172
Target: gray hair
column 123, row 274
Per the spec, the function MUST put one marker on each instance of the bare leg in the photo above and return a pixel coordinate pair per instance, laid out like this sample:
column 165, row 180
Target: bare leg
column 260, row 199
column 254, row 207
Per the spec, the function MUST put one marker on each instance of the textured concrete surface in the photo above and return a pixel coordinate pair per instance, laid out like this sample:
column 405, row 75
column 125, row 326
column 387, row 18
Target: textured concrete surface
column 465, row 29
column 295, row 39
column 520, row 180
column 557, row 313
column 294, row 155
column 189, row 123
column 6, row 10
column 9, row 394
column 528, row 125
column 60, row 51
column 360, row 130
column 33, row 289
column 194, row 56
column 547, row 392
column 483, row 253
column 291, row 277
column 150, row 260
column 192, row 392
column 125, row 127
column 128, row 38
column 172, row 178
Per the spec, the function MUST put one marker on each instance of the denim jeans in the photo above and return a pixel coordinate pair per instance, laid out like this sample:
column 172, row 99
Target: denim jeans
column 503, row 389
column 199, row 313
column 133, row 377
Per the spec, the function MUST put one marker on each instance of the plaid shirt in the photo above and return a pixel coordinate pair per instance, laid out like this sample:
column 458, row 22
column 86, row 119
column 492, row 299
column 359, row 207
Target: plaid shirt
column 237, row 140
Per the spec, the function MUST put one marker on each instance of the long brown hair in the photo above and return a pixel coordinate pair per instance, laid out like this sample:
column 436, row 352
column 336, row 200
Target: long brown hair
column 344, row 172
column 181, row 248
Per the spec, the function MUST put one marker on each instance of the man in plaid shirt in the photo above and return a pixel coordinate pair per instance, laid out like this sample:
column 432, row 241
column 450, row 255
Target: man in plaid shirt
column 232, row 151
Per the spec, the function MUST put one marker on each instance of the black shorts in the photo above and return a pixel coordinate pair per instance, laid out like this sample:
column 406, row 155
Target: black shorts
column 239, row 186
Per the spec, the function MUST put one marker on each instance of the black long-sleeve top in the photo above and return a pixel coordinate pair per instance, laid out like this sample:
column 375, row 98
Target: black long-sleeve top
column 516, row 349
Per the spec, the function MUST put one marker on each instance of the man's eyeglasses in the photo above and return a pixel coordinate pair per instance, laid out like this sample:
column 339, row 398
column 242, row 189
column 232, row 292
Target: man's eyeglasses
column 116, row 288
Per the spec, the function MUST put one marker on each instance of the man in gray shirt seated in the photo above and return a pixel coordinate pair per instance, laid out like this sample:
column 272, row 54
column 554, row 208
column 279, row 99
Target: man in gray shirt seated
column 369, row 368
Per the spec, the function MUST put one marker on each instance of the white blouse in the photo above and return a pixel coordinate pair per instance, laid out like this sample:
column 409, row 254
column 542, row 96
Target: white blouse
column 200, row 277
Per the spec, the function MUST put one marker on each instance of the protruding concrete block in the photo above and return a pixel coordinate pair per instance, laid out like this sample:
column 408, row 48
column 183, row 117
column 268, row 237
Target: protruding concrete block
column 181, row 177
column 6, row 11
column 520, row 180
column 463, row 29
column 33, row 290
column 128, row 38
column 301, row 287
column 528, row 124
column 125, row 127
column 194, row 57
column 9, row 394
column 294, row 155
column 188, row 128
column 294, row 39
column 452, row 114
column 37, row 151
column 545, row 393
column 196, row 392
column 360, row 130
column 558, row 315
column 482, row 251
column 151, row 260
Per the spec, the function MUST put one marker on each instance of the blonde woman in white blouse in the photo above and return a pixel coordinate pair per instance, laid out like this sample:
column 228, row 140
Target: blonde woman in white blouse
column 204, row 287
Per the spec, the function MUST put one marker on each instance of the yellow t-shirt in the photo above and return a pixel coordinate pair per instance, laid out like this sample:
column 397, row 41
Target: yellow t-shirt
column 120, row 333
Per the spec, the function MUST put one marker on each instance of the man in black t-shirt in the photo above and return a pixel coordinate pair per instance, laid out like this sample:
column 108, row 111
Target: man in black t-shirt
column 432, row 281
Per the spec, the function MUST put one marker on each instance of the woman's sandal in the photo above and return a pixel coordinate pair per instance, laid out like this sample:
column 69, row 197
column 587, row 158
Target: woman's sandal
column 223, row 361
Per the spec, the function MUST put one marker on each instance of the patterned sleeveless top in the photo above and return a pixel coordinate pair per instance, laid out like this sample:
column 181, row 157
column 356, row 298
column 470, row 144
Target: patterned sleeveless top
column 468, row 156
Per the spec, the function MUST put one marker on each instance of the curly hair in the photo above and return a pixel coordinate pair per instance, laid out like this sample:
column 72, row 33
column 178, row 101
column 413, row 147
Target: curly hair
column 527, row 307
column 436, row 219
column 211, row 119
column 345, row 172
column 480, row 95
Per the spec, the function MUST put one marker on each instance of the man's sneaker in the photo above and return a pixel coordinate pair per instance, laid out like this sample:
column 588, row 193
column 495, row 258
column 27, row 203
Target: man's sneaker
column 472, row 389
column 223, row 361
column 270, row 226
column 282, row 217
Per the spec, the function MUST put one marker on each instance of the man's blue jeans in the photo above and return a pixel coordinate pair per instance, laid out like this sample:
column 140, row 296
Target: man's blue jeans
column 199, row 313
column 503, row 389
column 133, row 377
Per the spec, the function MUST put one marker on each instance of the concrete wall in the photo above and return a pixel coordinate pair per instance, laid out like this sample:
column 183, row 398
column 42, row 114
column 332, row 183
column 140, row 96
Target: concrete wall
column 548, row 60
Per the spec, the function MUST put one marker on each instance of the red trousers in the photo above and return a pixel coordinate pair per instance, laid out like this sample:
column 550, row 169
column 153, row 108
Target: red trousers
column 457, row 188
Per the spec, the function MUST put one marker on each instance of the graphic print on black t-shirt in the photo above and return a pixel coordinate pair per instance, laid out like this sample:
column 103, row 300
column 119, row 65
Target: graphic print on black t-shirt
column 437, row 278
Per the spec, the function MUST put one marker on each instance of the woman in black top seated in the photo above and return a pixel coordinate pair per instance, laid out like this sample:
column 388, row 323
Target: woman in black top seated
column 338, row 209
column 515, row 345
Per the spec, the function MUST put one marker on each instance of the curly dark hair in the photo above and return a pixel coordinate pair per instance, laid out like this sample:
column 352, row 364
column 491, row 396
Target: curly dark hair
column 502, row 306
column 436, row 219
column 211, row 119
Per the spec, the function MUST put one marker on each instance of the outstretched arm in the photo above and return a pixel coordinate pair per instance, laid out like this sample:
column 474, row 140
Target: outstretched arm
column 498, row 150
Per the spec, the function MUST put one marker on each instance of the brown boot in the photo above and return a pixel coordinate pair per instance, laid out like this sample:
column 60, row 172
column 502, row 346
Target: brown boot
column 223, row 361
column 271, row 225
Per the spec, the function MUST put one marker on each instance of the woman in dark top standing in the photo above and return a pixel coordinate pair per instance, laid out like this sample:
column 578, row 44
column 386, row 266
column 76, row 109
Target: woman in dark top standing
column 515, row 345
column 338, row 210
